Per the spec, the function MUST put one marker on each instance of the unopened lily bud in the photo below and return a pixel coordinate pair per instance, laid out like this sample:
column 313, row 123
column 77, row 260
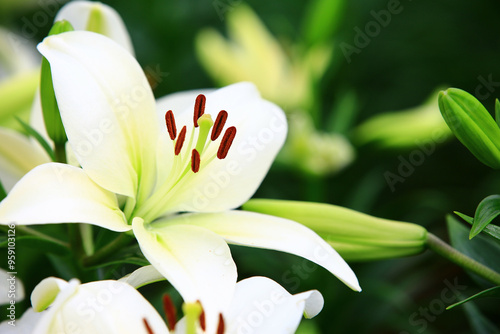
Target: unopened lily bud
column 355, row 236
column 472, row 124
column 404, row 129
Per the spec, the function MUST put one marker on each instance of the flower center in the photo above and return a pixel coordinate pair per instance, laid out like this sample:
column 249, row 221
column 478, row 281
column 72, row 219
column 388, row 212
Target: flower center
column 190, row 155
column 204, row 123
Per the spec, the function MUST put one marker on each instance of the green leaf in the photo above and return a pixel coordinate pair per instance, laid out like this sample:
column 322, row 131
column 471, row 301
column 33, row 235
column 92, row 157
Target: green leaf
column 472, row 125
column 33, row 133
column 492, row 292
column 497, row 111
column 492, row 230
column 51, row 115
column 3, row 193
column 483, row 248
column 486, row 211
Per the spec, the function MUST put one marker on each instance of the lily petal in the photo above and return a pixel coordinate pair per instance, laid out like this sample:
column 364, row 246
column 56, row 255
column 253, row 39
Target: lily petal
column 78, row 13
column 261, row 305
column 228, row 183
column 107, row 108
column 58, row 193
column 25, row 325
column 100, row 307
column 18, row 155
column 46, row 292
column 195, row 261
column 264, row 231
column 143, row 276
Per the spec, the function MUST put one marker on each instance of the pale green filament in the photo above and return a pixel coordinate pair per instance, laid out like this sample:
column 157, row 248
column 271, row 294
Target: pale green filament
column 96, row 21
column 156, row 204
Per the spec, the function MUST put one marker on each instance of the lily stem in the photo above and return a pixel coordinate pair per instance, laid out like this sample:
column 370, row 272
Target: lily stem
column 450, row 253
column 60, row 152
column 122, row 240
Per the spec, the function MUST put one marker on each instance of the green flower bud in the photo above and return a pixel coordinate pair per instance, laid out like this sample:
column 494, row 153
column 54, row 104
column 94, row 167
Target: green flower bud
column 51, row 115
column 404, row 129
column 356, row 236
column 472, row 124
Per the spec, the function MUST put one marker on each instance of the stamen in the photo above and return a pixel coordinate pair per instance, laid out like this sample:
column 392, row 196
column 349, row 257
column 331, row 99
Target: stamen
column 226, row 142
column 202, row 318
column 180, row 141
column 170, row 120
column 148, row 327
column 195, row 161
column 170, row 312
column 199, row 108
column 220, row 121
column 220, row 326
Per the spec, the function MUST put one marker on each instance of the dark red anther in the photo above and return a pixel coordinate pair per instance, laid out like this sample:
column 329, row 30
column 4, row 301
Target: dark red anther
column 199, row 108
column 226, row 142
column 220, row 326
column 220, row 121
column 203, row 325
column 170, row 120
column 170, row 313
column 180, row 141
column 195, row 161
column 148, row 327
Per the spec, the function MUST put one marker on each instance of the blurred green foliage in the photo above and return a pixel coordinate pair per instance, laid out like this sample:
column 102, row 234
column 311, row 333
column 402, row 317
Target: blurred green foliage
column 428, row 44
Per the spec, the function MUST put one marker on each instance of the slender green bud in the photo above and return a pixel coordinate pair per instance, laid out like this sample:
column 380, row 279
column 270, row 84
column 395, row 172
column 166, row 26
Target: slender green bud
column 472, row 124
column 51, row 115
column 356, row 236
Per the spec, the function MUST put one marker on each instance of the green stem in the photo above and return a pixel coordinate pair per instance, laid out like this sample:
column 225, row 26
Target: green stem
column 29, row 231
column 450, row 253
column 60, row 153
column 111, row 248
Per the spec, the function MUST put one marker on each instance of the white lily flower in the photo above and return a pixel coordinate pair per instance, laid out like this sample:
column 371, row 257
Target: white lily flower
column 19, row 154
column 110, row 117
column 90, row 308
column 259, row 305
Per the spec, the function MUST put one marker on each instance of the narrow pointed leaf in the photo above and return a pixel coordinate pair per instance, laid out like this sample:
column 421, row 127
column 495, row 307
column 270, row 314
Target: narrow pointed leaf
column 51, row 115
column 33, row 133
column 491, row 229
column 486, row 211
column 497, row 111
column 492, row 292
column 3, row 193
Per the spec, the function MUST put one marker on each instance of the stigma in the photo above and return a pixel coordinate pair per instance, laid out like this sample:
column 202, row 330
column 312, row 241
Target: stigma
column 207, row 132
